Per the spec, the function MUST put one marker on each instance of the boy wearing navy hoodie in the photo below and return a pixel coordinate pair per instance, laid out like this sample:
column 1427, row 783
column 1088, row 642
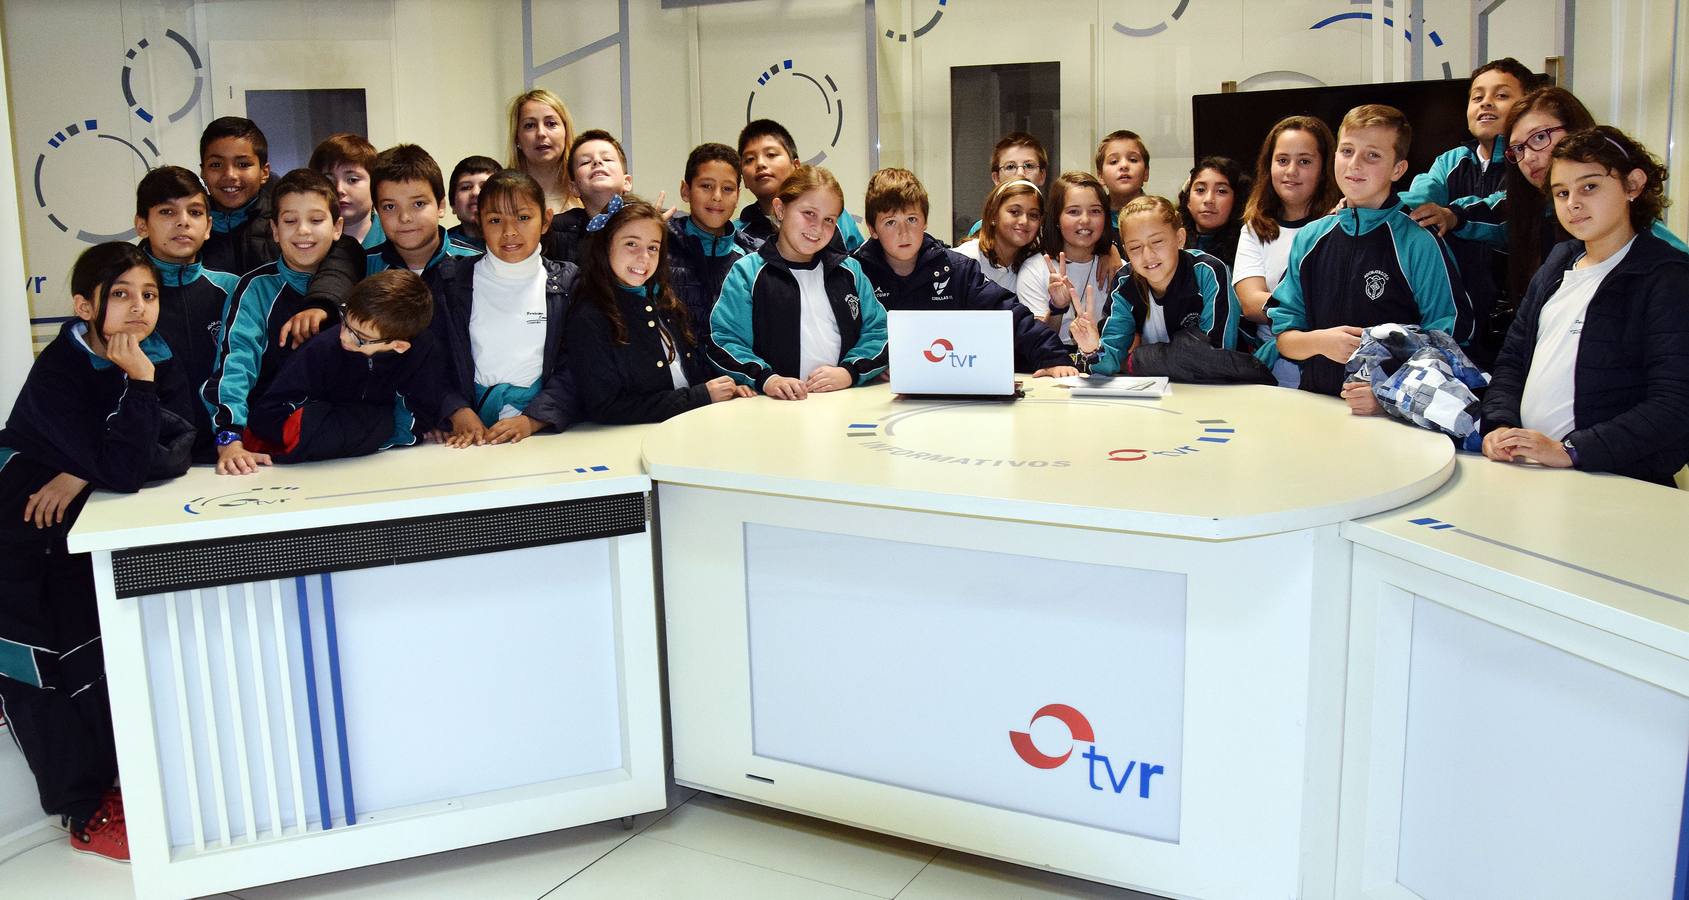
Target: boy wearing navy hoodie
column 705, row 241
column 372, row 382
column 105, row 407
column 173, row 219
column 1369, row 264
column 911, row 269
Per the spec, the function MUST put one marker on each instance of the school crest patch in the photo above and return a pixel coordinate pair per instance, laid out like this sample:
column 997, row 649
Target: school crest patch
column 1376, row 281
column 855, row 306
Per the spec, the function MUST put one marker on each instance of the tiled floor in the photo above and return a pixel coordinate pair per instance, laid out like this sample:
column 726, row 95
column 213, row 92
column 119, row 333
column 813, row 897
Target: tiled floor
column 703, row 847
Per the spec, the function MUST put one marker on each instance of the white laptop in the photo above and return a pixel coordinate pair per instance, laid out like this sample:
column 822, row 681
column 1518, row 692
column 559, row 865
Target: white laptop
column 952, row 353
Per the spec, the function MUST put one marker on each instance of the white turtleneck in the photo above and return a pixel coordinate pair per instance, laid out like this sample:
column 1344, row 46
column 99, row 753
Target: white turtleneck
column 507, row 322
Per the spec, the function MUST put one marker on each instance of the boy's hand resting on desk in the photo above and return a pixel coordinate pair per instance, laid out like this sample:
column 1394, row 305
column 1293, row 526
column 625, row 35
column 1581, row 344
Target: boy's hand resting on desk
column 235, row 459
column 1521, row 444
column 782, row 388
column 725, row 388
column 124, row 351
column 1362, row 401
column 46, row 507
column 302, row 327
column 467, row 430
column 829, row 378
column 513, row 429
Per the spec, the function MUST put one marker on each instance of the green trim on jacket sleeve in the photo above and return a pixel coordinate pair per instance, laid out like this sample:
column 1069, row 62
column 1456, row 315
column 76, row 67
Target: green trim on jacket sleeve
column 1287, row 309
column 1430, row 274
column 868, row 358
column 1118, row 329
column 731, row 334
column 1433, row 186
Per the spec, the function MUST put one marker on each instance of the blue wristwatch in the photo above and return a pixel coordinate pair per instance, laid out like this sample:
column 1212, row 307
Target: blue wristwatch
column 225, row 437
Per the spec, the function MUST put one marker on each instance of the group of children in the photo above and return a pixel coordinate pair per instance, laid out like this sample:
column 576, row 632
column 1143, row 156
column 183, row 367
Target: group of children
column 328, row 313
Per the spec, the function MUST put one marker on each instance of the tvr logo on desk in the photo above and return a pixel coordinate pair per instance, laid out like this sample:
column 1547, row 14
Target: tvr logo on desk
column 1080, row 731
column 942, row 350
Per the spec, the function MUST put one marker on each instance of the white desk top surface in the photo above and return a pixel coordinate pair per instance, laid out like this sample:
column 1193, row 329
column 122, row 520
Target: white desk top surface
column 1548, row 536
column 1204, row 462
column 585, row 461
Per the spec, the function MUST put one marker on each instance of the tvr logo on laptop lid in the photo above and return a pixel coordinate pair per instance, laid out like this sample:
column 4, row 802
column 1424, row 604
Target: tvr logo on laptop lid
column 942, row 350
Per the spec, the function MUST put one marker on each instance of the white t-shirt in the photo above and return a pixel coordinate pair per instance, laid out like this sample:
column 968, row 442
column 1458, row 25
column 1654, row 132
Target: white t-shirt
column 1001, row 276
column 1263, row 259
column 677, row 369
column 507, row 323
column 1551, row 384
column 1032, row 286
column 819, row 343
column 1155, row 324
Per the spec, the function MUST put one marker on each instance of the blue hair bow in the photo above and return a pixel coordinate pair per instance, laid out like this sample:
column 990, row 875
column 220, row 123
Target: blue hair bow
column 597, row 223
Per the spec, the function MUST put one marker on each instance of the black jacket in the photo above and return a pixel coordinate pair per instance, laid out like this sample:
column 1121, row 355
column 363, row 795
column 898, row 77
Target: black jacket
column 562, row 241
column 191, row 303
column 343, row 403
column 630, row 383
column 1631, row 408
column 945, row 279
column 698, row 265
column 79, row 413
column 453, row 285
column 242, row 240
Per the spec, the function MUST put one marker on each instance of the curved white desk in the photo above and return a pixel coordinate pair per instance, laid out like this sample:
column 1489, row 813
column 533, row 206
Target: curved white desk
column 326, row 666
column 1102, row 637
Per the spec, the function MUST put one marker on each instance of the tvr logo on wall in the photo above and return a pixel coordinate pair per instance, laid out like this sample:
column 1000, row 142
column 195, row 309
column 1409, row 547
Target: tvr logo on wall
column 942, row 350
column 1080, row 732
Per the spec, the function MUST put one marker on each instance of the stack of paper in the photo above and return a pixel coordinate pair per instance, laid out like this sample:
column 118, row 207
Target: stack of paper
column 1117, row 386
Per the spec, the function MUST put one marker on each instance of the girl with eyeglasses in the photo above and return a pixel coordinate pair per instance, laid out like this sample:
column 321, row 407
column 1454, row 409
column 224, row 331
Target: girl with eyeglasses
column 1593, row 374
column 1520, row 218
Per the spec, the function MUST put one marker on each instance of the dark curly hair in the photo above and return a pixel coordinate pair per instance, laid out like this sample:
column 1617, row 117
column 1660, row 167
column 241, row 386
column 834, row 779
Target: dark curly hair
column 598, row 283
column 1614, row 150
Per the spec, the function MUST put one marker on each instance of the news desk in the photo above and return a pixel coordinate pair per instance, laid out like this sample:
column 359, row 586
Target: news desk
column 326, row 666
column 1231, row 644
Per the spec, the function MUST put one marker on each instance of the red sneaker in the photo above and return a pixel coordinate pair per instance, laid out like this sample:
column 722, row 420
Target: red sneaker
column 105, row 833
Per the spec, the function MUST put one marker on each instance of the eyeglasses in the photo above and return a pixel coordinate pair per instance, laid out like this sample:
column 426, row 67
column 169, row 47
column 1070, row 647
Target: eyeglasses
column 358, row 339
column 1536, row 140
column 1019, row 168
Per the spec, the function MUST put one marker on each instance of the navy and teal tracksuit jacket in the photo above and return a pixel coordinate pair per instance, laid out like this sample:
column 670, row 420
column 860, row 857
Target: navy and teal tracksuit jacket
column 461, row 235
column 250, row 355
column 1365, row 267
column 385, row 256
column 191, row 303
column 330, row 402
column 1631, row 381
column 1455, row 179
column 754, row 330
column 452, row 282
column 944, row 280
column 1200, row 296
column 244, row 239
column 698, row 264
column 756, row 225
column 80, row 413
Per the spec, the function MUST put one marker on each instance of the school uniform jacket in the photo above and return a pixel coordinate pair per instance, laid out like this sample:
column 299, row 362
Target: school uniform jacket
column 79, row 413
column 243, row 239
column 562, row 241
column 453, row 285
column 944, row 279
column 462, row 237
column 1200, row 295
column 630, row 383
column 385, row 256
column 1456, row 178
column 759, row 227
column 192, row 300
column 698, row 264
column 1365, row 267
column 251, row 355
column 754, row 330
column 1631, row 407
column 330, row 402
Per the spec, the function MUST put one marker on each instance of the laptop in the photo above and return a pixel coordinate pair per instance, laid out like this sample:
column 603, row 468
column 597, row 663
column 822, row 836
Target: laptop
column 952, row 354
